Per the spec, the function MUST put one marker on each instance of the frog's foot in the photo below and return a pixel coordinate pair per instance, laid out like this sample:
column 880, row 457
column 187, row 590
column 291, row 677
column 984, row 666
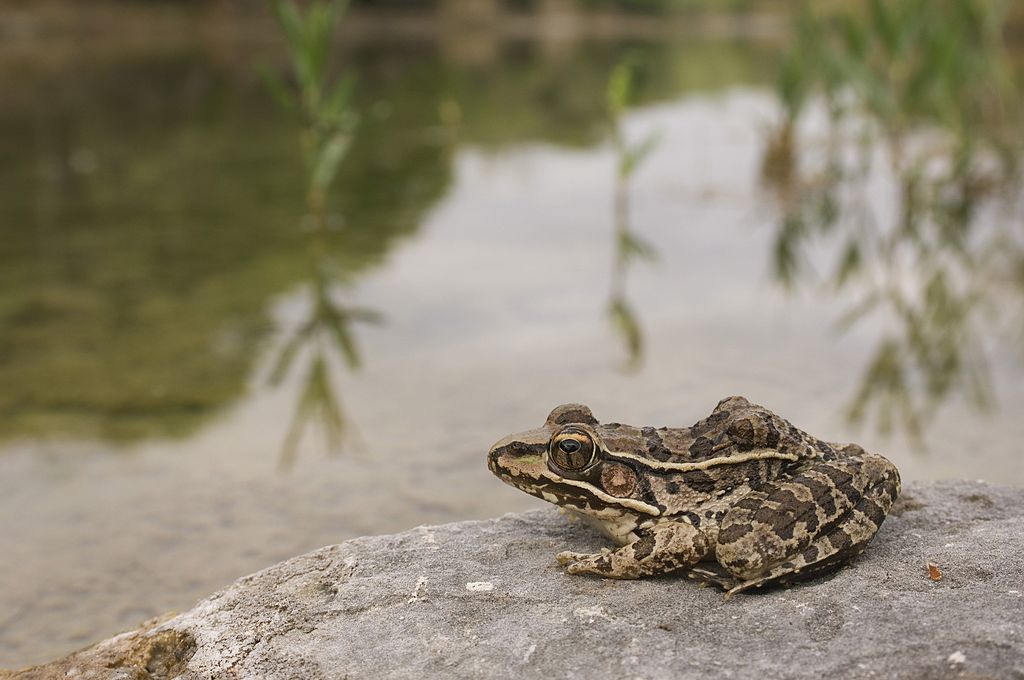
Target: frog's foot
column 568, row 558
column 661, row 550
column 711, row 573
column 807, row 525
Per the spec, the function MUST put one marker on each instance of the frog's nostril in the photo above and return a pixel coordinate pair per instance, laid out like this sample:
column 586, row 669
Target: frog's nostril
column 509, row 450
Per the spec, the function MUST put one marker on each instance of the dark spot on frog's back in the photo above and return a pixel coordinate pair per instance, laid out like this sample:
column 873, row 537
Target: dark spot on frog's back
column 842, row 481
column 702, row 449
column 822, row 494
column 711, row 424
column 873, row 511
column 699, row 481
column 733, row 533
column 825, row 449
column 780, row 520
column 853, row 450
column 655, row 446
column 741, row 432
column 840, row 540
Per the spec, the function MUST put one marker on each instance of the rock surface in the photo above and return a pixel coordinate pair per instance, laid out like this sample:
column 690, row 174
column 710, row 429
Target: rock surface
column 485, row 599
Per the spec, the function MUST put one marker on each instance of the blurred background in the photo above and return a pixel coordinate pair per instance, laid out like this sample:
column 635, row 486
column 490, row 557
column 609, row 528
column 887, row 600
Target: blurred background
column 274, row 275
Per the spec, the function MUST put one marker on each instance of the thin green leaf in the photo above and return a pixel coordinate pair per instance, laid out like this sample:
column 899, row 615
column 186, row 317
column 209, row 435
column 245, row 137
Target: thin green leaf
column 850, row 262
column 287, row 353
column 328, row 160
column 849, row 318
column 635, row 155
column 317, row 404
column 290, row 20
column 632, row 246
column 624, row 322
column 620, row 84
column 276, row 87
column 337, row 105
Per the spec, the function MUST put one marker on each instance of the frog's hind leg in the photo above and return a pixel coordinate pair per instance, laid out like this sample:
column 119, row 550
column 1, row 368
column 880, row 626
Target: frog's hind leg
column 814, row 522
column 824, row 554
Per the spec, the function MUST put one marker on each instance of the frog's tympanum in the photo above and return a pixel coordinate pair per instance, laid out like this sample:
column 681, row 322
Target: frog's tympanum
column 740, row 499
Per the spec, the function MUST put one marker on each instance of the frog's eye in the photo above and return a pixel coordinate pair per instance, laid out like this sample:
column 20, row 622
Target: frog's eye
column 572, row 450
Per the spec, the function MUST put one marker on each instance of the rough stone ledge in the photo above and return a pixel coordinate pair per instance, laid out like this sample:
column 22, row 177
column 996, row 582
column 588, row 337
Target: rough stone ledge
column 485, row 599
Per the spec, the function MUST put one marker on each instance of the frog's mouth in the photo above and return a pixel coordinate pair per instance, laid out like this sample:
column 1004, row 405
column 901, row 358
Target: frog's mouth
column 521, row 461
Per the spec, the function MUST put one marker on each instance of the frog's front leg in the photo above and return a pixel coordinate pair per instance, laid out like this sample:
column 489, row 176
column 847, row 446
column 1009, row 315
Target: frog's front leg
column 661, row 549
column 816, row 520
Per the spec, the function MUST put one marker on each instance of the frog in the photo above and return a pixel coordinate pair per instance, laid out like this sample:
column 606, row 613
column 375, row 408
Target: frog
column 740, row 500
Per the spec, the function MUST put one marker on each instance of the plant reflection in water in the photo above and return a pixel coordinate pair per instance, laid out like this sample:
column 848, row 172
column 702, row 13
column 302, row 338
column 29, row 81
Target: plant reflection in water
column 629, row 247
column 923, row 95
column 325, row 339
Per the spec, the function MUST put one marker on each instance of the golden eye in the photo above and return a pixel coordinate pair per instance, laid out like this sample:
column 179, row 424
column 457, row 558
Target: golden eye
column 572, row 450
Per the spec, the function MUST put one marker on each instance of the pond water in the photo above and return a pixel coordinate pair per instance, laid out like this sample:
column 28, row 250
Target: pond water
column 170, row 422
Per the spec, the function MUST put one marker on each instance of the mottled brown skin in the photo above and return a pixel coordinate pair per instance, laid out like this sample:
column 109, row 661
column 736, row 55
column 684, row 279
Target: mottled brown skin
column 740, row 499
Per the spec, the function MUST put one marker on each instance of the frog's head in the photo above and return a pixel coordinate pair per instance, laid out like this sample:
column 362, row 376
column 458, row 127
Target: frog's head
column 565, row 462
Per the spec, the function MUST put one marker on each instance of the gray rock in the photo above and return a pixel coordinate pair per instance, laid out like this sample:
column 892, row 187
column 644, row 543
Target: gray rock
column 485, row 600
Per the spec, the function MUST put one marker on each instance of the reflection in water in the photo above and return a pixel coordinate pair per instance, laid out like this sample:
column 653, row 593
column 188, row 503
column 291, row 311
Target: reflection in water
column 628, row 245
column 323, row 339
column 328, row 124
column 146, row 201
column 923, row 95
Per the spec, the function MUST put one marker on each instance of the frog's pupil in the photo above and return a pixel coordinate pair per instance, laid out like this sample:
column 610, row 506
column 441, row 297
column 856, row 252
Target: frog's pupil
column 569, row 445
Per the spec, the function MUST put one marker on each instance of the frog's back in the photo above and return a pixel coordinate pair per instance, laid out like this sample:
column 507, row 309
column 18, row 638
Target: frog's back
column 736, row 428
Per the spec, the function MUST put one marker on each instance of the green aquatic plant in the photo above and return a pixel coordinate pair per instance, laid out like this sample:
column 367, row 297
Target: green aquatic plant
column 629, row 246
column 792, row 88
column 328, row 122
column 922, row 94
column 322, row 98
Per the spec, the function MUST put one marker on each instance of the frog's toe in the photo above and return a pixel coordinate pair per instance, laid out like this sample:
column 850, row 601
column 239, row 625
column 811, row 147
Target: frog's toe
column 712, row 574
column 568, row 557
column 605, row 564
column 579, row 563
column 579, row 568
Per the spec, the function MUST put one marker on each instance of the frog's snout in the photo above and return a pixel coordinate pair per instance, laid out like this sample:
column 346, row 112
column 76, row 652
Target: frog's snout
column 518, row 454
